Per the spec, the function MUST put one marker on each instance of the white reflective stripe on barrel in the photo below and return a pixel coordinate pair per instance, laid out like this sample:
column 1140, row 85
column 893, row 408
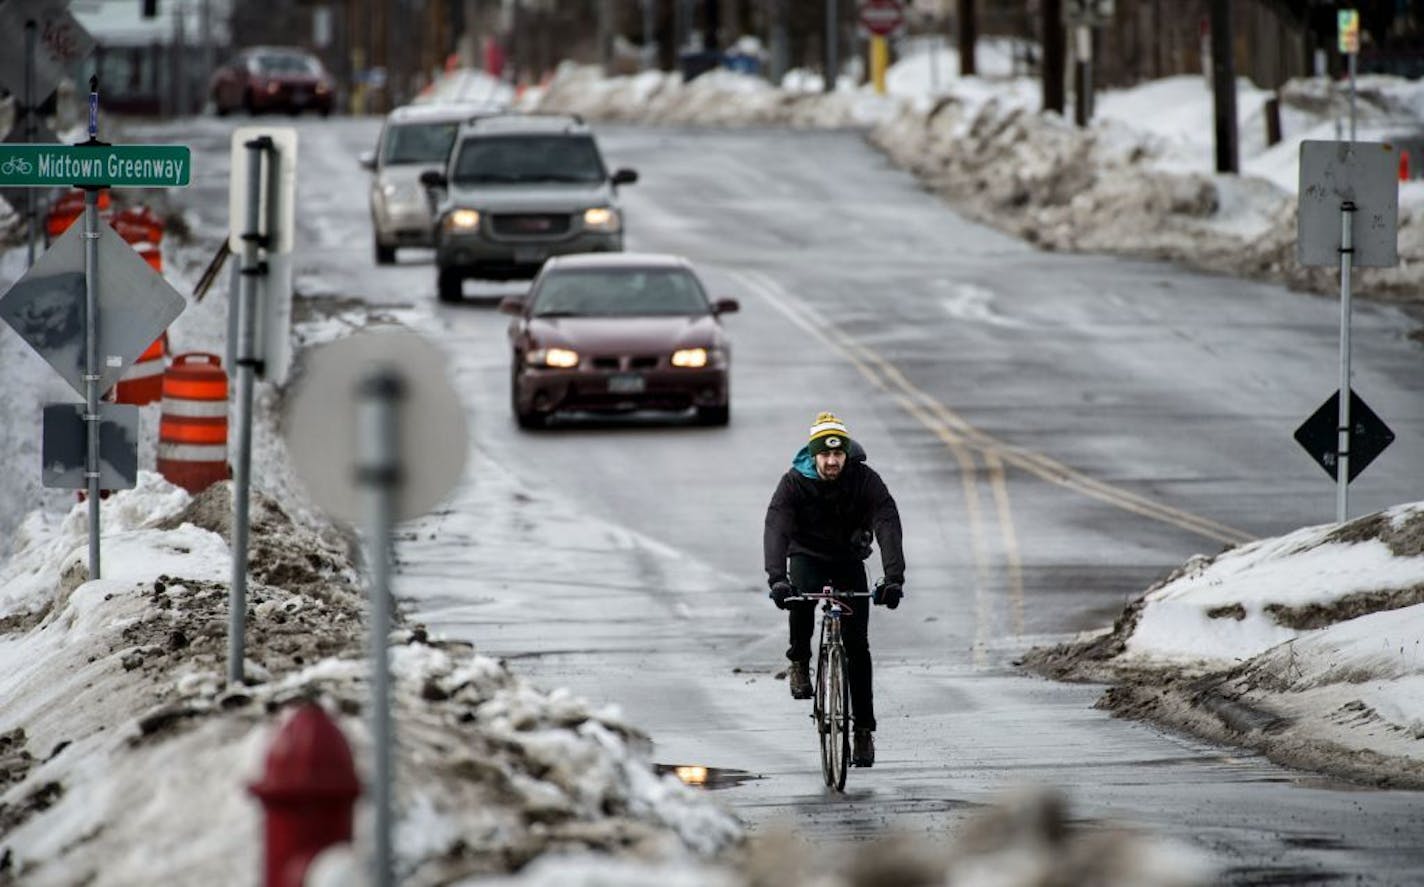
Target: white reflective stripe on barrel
column 192, row 452
column 143, row 370
column 202, row 409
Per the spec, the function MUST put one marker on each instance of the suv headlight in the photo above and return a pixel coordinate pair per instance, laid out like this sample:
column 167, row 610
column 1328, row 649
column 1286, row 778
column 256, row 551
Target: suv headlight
column 602, row 218
column 462, row 220
column 562, row 358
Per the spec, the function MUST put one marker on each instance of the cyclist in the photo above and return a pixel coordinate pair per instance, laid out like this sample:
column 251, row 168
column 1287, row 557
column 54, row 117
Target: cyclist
column 821, row 519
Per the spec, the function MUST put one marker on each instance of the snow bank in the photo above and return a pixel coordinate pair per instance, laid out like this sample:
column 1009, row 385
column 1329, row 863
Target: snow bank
column 1139, row 181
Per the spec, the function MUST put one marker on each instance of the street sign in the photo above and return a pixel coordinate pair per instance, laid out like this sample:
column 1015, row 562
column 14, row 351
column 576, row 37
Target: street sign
column 1369, row 436
column 278, row 187
column 323, row 433
column 881, row 17
column 1348, row 22
column 15, row 196
column 61, row 43
column 113, row 166
column 1364, row 174
column 46, row 306
column 64, row 451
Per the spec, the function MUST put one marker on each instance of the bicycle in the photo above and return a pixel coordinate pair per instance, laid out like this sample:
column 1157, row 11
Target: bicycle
column 830, row 707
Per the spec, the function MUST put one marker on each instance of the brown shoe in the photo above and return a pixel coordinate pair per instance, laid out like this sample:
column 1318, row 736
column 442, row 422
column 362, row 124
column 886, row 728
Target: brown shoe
column 863, row 754
column 799, row 677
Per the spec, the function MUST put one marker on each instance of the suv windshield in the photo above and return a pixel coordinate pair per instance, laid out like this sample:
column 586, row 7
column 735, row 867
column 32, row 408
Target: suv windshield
column 528, row 158
column 620, row 293
column 418, row 143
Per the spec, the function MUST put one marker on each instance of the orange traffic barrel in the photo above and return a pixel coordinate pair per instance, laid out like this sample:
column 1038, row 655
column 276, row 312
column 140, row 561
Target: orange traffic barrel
column 66, row 209
column 151, row 254
column 142, row 383
column 192, row 428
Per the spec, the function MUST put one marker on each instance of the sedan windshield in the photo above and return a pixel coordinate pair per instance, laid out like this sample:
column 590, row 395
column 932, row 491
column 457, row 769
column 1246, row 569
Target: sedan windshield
column 506, row 159
column 277, row 63
column 620, row 293
column 418, row 143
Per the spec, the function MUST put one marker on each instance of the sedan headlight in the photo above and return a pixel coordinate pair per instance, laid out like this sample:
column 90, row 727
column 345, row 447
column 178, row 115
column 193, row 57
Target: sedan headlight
column 602, row 218
column 562, row 358
column 463, row 219
column 692, row 358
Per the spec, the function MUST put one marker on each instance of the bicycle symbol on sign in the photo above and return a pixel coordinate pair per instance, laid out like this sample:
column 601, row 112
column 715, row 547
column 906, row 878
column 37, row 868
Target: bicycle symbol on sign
column 16, row 166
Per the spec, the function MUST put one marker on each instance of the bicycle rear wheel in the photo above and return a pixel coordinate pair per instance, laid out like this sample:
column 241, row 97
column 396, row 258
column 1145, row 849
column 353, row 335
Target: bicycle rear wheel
column 833, row 693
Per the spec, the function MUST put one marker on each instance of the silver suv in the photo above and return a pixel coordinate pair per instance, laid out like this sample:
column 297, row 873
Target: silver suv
column 518, row 189
column 414, row 139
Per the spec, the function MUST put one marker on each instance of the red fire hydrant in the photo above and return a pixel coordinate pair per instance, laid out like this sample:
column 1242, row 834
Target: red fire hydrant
column 308, row 791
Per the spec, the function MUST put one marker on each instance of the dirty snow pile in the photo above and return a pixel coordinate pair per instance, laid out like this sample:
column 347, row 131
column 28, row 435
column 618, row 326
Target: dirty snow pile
column 1308, row 647
column 127, row 755
column 1139, row 181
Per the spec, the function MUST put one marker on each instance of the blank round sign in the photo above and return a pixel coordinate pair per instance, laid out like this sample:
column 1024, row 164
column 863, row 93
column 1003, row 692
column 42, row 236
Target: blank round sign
column 323, row 435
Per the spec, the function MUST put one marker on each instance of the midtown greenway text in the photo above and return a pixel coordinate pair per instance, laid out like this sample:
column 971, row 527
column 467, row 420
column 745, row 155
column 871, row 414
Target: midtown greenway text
column 110, row 166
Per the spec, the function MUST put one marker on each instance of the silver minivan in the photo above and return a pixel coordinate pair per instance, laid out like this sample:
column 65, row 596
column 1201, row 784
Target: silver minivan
column 519, row 189
column 413, row 140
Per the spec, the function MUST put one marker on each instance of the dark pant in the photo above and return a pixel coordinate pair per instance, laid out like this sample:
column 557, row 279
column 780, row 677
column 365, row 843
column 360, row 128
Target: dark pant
column 809, row 576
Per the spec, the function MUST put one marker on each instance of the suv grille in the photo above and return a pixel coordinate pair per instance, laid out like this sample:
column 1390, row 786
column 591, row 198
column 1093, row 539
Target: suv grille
column 530, row 224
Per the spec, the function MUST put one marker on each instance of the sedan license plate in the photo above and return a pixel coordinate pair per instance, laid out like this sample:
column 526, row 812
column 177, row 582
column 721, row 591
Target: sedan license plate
column 626, row 384
column 528, row 255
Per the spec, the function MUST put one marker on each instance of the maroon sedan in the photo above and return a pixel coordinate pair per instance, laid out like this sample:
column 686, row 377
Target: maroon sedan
column 617, row 332
column 272, row 78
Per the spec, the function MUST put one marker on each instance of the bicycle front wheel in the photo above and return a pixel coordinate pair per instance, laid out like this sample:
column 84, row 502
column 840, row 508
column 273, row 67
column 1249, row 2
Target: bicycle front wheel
column 833, row 693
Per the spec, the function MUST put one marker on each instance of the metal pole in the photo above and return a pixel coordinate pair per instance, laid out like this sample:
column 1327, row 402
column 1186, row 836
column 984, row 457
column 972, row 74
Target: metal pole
column 91, row 342
column 1353, row 56
column 1223, row 80
column 833, row 62
column 31, row 207
column 91, row 369
column 246, row 362
column 378, row 471
column 1342, row 447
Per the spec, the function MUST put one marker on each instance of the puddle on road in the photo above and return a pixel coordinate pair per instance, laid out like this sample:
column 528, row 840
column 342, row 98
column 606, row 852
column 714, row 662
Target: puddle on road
column 699, row 776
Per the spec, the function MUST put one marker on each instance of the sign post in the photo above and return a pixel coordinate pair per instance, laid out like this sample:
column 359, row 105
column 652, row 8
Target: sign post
column 880, row 19
column 261, row 205
column 90, row 306
column 377, row 436
column 1348, row 22
column 1348, row 215
column 1084, row 16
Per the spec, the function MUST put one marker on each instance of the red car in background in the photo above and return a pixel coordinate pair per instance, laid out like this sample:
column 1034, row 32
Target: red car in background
column 260, row 79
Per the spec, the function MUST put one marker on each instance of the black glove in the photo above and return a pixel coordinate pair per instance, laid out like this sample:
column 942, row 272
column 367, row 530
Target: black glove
column 780, row 591
column 888, row 594
column 860, row 543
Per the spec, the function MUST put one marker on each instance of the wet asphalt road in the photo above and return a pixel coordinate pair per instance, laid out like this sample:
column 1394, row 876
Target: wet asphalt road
column 1059, row 431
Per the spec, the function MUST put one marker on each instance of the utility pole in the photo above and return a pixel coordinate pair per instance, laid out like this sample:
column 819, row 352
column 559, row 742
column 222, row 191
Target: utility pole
column 1223, row 85
column 780, row 42
column 1051, row 28
column 833, row 62
column 968, row 36
column 605, row 35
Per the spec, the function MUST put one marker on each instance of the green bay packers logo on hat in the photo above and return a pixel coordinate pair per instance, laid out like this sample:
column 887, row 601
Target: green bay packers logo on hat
column 828, row 432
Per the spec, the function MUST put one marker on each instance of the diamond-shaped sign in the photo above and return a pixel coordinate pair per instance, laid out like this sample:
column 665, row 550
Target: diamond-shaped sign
column 1369, row 436
column 46, row 306
column 60, row 43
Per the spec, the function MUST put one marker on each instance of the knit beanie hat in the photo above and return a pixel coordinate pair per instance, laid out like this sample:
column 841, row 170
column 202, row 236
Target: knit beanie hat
column 828, row 433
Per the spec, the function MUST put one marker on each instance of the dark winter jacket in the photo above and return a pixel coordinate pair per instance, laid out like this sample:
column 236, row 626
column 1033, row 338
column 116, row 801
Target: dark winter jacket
column 810, row 516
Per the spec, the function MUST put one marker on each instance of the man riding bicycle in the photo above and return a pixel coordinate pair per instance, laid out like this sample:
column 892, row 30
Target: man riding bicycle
column 821, row 519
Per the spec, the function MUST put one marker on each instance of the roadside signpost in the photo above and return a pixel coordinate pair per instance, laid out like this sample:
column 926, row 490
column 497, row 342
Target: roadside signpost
column 1348, row 215
column 1083, row 16
column 377, row 435
column 39, row 42
column 881, row 18
column 261, row 199
column 1348, row 28
column 90, row 306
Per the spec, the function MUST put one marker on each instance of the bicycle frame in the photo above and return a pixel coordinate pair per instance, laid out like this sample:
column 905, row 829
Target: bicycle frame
column 830, row 707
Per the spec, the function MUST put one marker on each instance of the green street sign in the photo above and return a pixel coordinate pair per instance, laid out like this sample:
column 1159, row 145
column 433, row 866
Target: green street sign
column 114, row 166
